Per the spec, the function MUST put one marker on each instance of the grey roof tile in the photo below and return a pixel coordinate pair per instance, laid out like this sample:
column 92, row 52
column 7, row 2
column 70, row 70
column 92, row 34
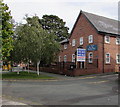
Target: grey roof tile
column 103, row 24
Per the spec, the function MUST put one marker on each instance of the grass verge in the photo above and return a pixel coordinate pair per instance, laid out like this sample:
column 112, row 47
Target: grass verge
column 24, row 75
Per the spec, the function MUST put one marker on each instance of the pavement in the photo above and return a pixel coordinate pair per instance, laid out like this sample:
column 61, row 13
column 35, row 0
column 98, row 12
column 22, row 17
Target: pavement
column 5, row 101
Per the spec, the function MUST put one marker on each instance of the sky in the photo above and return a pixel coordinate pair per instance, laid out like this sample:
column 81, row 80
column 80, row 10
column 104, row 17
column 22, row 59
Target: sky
column 68, row 10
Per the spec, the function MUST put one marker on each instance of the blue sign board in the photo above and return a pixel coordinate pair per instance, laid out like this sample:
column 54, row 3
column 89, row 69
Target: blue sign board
column 81, row 53
column 92, row 48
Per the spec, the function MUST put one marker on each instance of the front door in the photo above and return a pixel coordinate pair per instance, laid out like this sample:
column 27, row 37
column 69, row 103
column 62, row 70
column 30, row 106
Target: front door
column 81, row 65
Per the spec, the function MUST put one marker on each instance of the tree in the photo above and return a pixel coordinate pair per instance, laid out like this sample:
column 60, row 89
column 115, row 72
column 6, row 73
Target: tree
column 33, row 43
column 55, row 25
column 6, row 31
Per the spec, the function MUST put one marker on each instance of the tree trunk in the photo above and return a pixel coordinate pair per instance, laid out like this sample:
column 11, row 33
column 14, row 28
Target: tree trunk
column 28, row 68
column 25, row 67
column 12, row 69
column 1, row 66
column 38, row 63
column 18, row 71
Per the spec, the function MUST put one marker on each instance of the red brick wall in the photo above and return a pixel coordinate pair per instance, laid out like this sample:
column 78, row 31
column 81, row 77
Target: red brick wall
column 83, row 29
column 111, row 48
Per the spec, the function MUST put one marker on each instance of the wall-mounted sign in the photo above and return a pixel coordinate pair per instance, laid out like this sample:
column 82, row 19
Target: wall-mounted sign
column 81, row 53
column 91, row 48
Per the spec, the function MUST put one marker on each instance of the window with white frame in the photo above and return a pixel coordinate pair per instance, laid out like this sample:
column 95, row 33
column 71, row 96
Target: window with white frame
column 73, row 57
column 107, row 39
column 65, row 46
column 90, row 57
column 73, row 42
column 107, row 57
column 117, row 58
column 59, row 58
column 81, row 40
column 118, row 40
column 90, row 39
column 65, row 58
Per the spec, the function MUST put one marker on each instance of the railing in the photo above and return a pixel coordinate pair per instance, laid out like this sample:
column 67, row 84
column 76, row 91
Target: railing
column 72, row 65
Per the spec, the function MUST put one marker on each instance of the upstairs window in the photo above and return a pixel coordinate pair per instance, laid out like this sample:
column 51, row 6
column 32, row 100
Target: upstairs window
column 65, row 46
column 107, row 56
column 73, row 57
column 90, row 39
column 81, row 40
column 117, row 40
column 73, row 42
column 65, row 58
column 117, row 58
column 107, row 39
column 90, row 57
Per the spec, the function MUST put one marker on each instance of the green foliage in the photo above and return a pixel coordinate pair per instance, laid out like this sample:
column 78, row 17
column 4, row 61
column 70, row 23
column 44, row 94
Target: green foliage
column 6, row 30
column 55, row 25
column 33, row 43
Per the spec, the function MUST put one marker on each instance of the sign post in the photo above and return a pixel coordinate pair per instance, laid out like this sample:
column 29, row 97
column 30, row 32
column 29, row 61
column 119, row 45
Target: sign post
column 81, row 56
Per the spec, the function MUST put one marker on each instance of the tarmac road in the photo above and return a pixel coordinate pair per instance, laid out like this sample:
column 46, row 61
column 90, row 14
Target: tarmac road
column 84, row 90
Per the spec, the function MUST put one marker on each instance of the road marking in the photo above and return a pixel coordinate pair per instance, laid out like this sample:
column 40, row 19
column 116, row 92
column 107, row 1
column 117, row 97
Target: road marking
column 88, row 77
column 98, row 82
column 108, row 75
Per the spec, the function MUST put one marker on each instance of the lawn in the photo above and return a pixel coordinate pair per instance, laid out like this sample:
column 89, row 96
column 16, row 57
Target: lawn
column 24, row 75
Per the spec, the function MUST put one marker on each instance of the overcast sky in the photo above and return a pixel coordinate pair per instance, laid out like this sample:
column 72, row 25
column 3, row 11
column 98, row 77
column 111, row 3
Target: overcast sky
column 67, row 10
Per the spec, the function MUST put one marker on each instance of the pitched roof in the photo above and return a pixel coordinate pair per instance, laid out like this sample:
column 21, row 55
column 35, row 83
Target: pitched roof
column 103, row 24
column 100, row 23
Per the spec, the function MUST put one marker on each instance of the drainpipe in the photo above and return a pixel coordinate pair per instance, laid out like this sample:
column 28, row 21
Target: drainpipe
column 103, row 52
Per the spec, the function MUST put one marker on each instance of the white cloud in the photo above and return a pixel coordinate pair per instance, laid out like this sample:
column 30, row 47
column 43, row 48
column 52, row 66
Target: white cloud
column 65, row 9
column 60, row 1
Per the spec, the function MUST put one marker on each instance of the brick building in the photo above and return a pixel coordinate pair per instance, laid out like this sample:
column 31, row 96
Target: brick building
column 100, row 37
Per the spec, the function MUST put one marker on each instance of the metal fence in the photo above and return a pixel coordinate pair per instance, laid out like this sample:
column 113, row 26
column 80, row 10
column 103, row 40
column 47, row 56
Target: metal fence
column 72, row 65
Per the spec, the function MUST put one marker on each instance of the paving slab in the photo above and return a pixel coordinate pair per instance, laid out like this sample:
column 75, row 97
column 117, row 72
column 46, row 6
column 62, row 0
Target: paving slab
column 5, row 101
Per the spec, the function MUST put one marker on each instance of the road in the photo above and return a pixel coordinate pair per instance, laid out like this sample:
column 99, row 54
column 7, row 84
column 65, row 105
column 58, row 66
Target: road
column 84, row 90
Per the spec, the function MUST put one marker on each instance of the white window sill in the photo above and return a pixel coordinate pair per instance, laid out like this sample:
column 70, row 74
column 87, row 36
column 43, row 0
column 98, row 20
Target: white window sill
column 107, row 63
column 107, row 42
column 117, row 62
column 117, row 43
